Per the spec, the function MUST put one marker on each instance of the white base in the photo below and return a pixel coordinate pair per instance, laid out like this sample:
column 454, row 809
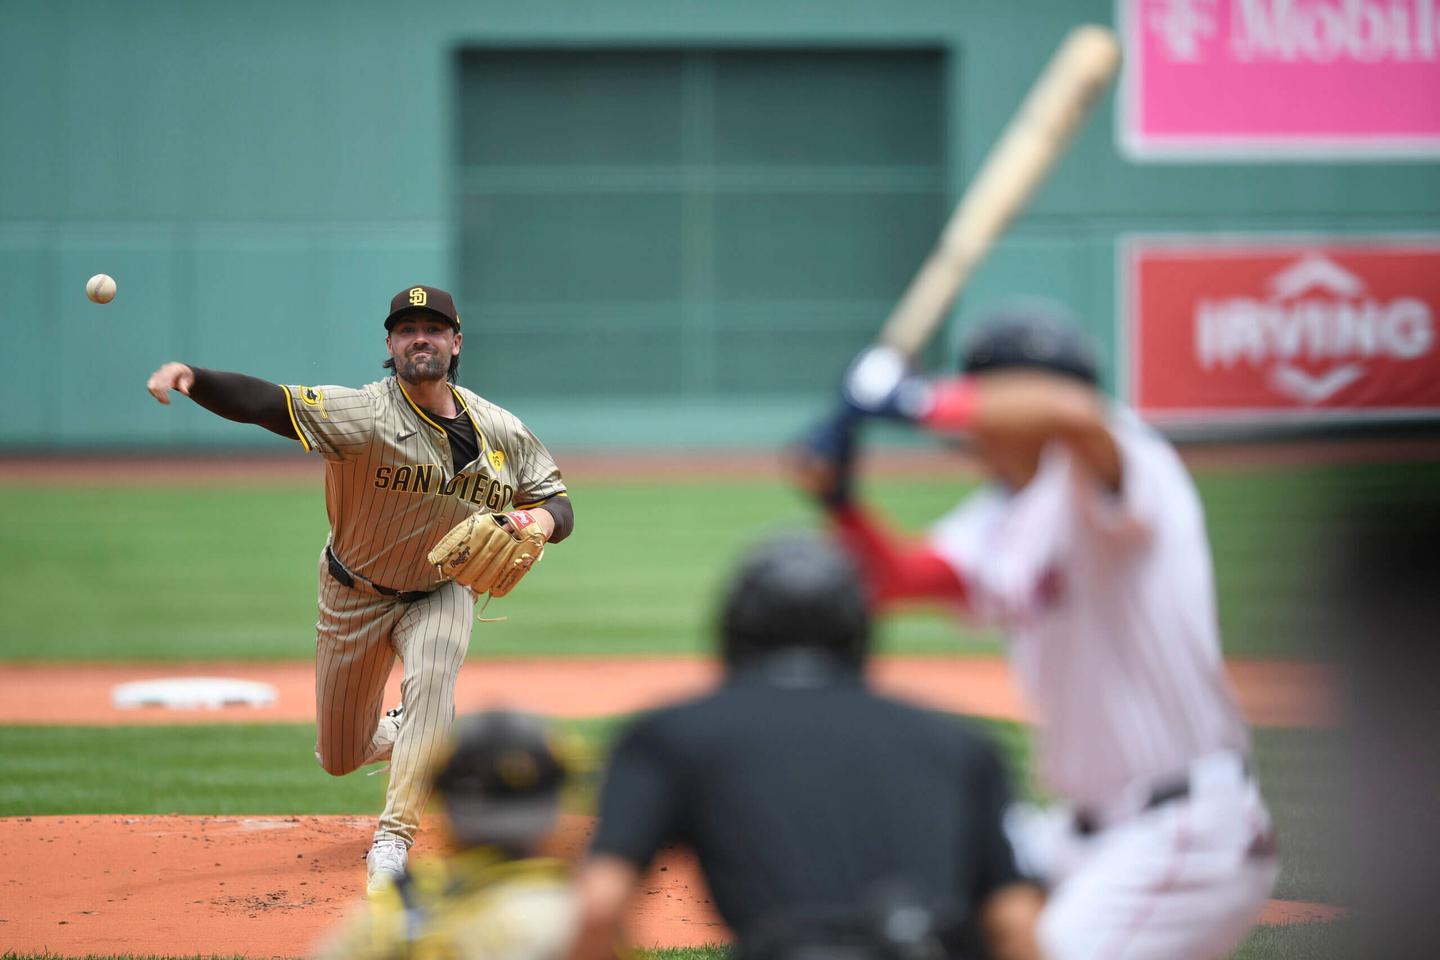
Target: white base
column 193, row 693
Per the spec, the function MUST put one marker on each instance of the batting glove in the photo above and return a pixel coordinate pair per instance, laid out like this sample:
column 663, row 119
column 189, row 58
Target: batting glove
column 880, row 383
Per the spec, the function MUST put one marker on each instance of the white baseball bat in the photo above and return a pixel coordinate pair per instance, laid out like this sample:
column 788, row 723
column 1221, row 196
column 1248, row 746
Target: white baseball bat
column 1077, row 74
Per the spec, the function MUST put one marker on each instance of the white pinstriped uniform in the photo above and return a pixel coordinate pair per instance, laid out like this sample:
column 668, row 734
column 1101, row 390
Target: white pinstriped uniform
column 1110, row 608
column 392, row 491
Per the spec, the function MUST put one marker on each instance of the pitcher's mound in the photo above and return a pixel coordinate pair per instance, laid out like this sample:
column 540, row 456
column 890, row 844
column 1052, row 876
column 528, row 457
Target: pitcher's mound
column 248, row 886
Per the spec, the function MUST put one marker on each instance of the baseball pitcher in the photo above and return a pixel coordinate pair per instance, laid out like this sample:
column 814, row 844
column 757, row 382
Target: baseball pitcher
column 420, row 474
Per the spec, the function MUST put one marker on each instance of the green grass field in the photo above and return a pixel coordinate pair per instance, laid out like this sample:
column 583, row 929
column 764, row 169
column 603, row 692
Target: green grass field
column 229, row 572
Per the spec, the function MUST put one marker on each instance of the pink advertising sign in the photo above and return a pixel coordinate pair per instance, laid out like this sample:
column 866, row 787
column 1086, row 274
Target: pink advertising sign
column 1290, row 79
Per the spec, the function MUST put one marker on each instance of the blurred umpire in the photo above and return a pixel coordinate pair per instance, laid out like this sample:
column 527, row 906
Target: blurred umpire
column 828, row 821
column 492, row 898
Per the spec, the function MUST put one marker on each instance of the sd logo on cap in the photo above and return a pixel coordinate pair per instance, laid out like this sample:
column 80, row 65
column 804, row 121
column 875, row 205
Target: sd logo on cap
column 423, row 299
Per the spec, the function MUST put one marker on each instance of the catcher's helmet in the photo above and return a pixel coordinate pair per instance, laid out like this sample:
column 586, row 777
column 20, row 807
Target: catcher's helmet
column 1039, row 334
column 500, row 783
column 795, row 591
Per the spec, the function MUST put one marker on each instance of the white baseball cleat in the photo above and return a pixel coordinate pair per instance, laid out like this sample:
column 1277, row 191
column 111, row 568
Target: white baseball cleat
column 385, row 863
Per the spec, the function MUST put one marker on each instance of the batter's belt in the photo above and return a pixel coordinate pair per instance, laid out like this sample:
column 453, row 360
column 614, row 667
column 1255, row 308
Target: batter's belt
column 356, row 581
column 1088, row 821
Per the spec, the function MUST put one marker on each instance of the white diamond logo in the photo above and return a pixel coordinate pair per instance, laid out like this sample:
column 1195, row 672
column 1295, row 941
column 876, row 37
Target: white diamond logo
column 1311, row 389
column 1315, row 272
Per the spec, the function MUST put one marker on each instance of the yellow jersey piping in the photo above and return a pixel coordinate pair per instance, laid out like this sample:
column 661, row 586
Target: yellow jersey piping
column 290, row 409
column 480, row 434
column 416, row 407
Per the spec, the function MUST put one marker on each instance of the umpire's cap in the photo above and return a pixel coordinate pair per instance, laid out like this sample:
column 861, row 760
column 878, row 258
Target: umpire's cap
column 795, row 591
column 500, row 783
column 423, row 299
column 1034, row 333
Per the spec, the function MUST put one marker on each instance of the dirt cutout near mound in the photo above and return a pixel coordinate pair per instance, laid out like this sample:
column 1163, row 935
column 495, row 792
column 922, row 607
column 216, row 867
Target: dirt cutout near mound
column 270, row 886
column 261, row 886
column 1271, row 693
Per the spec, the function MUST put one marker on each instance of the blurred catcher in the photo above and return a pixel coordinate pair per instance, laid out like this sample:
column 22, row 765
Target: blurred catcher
column 419, row 474
column 830, row 822
column 491, row 897
column 1089, row 548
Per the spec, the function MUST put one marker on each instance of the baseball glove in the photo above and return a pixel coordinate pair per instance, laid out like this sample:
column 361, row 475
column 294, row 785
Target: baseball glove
column 481, row 553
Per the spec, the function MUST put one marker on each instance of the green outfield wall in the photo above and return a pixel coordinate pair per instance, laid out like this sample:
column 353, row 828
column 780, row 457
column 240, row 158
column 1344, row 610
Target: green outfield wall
column 683, row 215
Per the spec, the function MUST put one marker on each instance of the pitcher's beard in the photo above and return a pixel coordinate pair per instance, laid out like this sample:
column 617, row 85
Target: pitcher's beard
column 418, row 369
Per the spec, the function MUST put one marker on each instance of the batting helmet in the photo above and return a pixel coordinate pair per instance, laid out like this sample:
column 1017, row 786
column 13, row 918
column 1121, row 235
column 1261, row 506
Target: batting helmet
column 500, row 783
column 1037, row 334
column 795, row 591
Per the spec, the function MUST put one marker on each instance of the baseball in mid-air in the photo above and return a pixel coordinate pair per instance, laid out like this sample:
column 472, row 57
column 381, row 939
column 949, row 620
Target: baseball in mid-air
column 101, row 288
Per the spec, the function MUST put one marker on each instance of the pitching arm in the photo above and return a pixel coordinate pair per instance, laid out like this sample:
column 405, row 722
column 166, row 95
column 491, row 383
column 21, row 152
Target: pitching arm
column 234, row 396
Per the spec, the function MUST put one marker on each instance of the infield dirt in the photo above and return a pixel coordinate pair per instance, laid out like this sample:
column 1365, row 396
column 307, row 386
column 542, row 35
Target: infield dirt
column 1271, row 692
column 271, row 887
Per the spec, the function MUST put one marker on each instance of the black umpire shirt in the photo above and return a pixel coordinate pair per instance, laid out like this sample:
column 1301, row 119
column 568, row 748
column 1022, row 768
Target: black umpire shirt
column 801, row 792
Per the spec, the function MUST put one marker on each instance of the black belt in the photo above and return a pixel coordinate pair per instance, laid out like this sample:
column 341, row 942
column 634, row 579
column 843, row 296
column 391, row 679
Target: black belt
column 1088, row 822
column 338, row 571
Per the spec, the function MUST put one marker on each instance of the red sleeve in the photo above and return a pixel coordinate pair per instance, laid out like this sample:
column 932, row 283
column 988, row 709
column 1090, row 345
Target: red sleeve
column 952, row 405
column 895, row 569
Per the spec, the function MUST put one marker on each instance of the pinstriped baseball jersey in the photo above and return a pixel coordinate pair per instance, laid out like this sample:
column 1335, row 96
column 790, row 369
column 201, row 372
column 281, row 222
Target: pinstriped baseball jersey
column 1110, row 606
column 392, row 488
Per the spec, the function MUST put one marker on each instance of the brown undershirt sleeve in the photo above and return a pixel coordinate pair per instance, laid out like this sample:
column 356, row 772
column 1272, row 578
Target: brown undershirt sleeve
column 564, row 514
column 243, row 399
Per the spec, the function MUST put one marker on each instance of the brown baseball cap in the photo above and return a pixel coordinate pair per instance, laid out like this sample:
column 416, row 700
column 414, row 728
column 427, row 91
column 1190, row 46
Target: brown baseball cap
column 420, row 297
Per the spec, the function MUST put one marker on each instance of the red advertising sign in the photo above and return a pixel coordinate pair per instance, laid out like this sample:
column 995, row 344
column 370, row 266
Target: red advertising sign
column 1266, row 329
column 1251, row 79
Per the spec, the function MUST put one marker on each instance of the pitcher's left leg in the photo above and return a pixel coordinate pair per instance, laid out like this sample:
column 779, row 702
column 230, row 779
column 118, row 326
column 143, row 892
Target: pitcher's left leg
column 431, row 638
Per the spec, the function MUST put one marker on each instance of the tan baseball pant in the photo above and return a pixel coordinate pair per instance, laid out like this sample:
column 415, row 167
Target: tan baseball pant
column 358, row 637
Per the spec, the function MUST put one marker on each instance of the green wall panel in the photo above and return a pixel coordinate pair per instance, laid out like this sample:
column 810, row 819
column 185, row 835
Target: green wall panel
column 599, row 107
column 360, row 271
column 256, row 292
column 836, row 107
column 567, row 247
column 109, row 351
column 35, row 357
column 697, row 231
column 802, row 184
column 798, row 246
column 32, row 103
